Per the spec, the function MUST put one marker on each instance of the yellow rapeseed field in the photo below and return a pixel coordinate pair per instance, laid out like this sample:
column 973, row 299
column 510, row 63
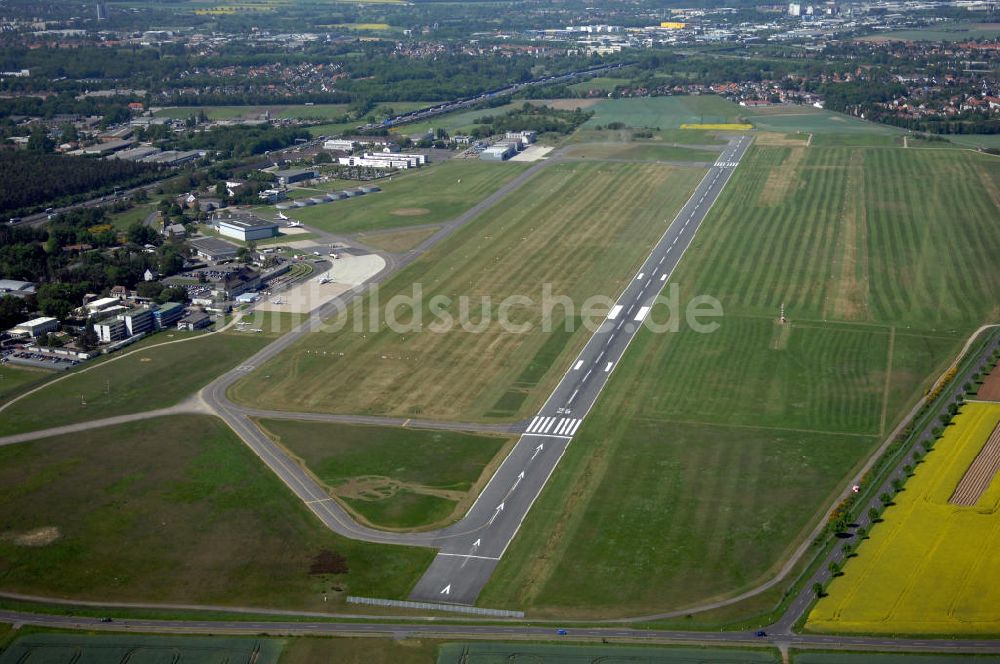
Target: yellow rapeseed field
column 930, row 567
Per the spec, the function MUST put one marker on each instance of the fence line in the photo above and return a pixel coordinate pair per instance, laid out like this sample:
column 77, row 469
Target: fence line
column 432, row 606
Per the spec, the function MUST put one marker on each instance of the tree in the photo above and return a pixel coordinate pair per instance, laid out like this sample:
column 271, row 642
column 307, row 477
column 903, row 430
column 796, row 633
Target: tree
column 149, row 289
column 142, row 235
column 39, row 141
column 221, row 190
column 173, row 294
column 69, row 133
column 13, row 310
column 817, row 589
column 57, row 300
column 88, row 340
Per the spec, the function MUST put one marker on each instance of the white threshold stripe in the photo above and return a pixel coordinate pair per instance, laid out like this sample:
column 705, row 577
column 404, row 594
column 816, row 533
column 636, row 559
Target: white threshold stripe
column 576, row 425
column 467, row 555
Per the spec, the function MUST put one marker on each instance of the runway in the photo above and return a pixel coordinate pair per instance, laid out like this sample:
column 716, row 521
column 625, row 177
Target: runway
column 470, row 550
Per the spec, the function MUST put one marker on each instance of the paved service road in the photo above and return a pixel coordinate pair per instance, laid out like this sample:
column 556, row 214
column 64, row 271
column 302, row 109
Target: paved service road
column 470, row 549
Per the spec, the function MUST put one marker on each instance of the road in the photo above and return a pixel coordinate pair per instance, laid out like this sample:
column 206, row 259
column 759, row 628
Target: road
column 431, row 629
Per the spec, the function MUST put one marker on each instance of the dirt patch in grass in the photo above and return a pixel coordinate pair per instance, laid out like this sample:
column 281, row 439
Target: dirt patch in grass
column 409, row 212
column 380, row 488
column 783, row 180
column 778, row 139
column 37, row 537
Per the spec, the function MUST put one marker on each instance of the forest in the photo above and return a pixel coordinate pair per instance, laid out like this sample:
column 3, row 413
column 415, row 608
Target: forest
column 32, row 180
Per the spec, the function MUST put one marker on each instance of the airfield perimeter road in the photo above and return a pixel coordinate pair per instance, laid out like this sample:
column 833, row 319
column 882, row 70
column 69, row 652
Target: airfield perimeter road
column 470, row 549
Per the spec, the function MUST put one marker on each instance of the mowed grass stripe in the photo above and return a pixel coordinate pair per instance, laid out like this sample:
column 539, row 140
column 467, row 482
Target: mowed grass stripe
column 784, row 249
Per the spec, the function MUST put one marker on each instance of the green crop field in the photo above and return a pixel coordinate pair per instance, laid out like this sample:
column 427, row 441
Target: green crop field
column 640, row 152
column 425, row 196
column 665, row 112
column 950, row 31
column 580, row 227
column 396, row 478
column 929, row 567
column 890, row 658
column 173, row 510
column 134, row 649
column 788, row 119
column 361, row 650
column 496, row 653
column 146, row 380
column 710, row 456
column 454, row 123
column 607, row 83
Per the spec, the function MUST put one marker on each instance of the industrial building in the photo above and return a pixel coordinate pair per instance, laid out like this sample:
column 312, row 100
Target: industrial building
column 195, row 320
column 385, row 160
column 498, row 152
column 245, row 226
column 340, row 144
column 213, row 249
column 526, row 137
column 291, row 176
column 34, row 328
column 16, row 288
column 167, row 315
column 138, row 321
column 110, row 330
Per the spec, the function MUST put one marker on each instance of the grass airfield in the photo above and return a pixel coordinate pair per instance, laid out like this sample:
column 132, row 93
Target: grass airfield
column 393, row 477
column 710, row 456
column 579, row 227
column 173, row 510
